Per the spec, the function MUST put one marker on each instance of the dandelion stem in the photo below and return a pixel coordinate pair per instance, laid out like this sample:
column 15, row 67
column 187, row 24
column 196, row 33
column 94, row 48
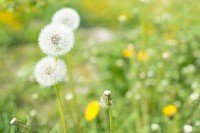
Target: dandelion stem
column 60, row 108
column 110, row 119
column 142, row 24
column 71, row 79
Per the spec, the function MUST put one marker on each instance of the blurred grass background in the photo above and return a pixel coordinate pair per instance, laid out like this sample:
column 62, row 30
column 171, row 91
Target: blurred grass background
column 162, row 69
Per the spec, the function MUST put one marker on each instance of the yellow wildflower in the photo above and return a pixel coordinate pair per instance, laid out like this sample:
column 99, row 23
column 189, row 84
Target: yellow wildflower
column 149, row 28
column 170, row 110
column 124, row 17
column 143, row 56
column 10, row 19
column 92, row 110
column 128, row 52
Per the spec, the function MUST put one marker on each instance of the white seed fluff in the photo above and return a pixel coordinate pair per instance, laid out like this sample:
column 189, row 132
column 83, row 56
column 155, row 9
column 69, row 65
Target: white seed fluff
column 56, row 39
column 155, row 127
column 13, row 121
column 50, row 71
column 106, row 92
column 67, row 16
column 187, row 128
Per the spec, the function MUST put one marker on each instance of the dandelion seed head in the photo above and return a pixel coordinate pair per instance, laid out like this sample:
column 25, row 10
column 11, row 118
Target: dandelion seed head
column 35, row 96
column 155, row 127
column 56, row 39
column 49, row 71
column 33, row 113
column 67, row 16
column 197, row 123
column 194, row 96
column 69, row 96
column 187, row 128
column 165, row 55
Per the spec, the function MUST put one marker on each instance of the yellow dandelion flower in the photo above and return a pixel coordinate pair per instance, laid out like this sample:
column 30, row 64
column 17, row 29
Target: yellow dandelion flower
column 170, row 110
column 143, row 56
column 149, row 28
column 124, row 17
column 128, row 52
column 92, row 110
column 170, row 39
column 10, row 19
column 169, row 36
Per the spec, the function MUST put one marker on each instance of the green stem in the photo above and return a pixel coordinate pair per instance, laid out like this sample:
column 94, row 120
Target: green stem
column 60, row 108
column 71, row 80
column 110, row 119
column 144, row 100
column 142, row 24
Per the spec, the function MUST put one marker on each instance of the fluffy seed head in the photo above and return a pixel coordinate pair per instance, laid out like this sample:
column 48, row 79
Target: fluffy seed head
column 49, row 71
column 67, row 16
column 187, row 128
column 155, row 127
column 56, row 39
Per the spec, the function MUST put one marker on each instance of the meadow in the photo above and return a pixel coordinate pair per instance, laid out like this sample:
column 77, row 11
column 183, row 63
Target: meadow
column 134, row 68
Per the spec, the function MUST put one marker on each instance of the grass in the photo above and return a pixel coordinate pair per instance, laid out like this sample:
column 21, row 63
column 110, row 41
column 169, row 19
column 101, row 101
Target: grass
column 140, row 88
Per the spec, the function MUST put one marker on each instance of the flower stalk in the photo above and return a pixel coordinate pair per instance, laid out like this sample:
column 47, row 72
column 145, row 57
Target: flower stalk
column 106, row 101
column 60, row 108
column 110, row 119
column 74, row 100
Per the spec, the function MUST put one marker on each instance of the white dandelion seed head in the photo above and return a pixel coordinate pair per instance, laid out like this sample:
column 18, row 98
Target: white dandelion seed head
column 50, row 71
column 165, row 55
column 56, row 39
column 67, row 16
column 34, row 96
column 69, row 96
column 187, row 128
column 155, row 127
column 194, row 96
column 33, row 113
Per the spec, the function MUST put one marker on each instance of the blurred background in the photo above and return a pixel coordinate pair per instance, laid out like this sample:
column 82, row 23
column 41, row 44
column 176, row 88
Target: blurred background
column 146, row 52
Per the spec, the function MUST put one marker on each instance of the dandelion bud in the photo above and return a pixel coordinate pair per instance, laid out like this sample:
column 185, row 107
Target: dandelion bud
column 56, row 39
column 20, row 127
column 67, row 16
column 50, row 71
column 13, row 121
column 106, row 100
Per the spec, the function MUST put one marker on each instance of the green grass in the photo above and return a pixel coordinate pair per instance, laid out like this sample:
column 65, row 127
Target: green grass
column 140, row 89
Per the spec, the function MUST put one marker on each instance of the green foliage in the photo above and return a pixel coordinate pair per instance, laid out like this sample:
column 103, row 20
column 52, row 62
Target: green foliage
column 168, row 32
